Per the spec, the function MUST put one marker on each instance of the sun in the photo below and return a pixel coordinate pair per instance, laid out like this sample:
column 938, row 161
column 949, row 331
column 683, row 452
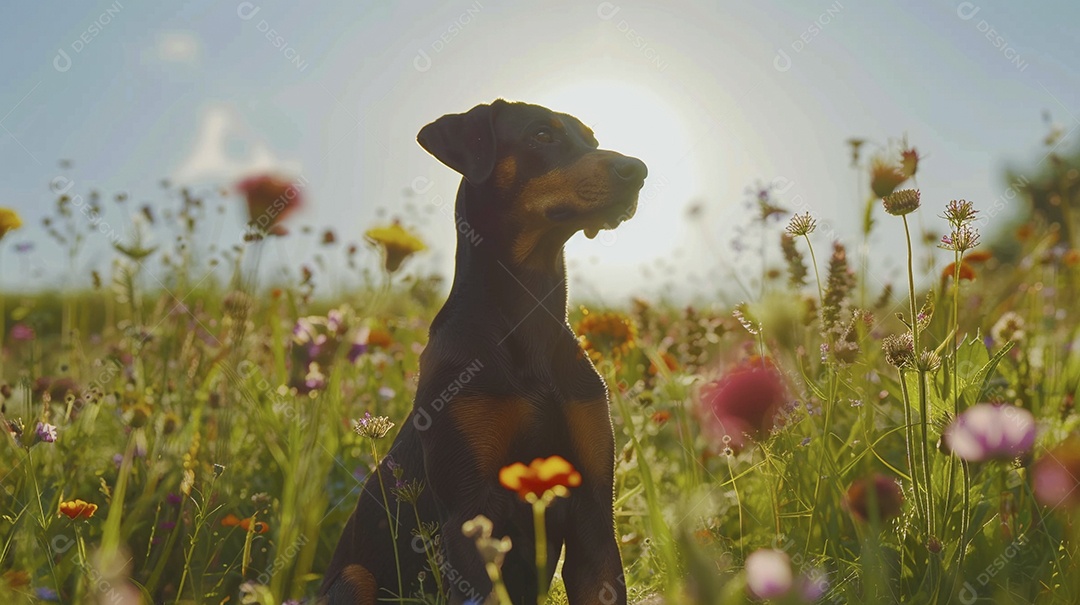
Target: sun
column 639, row 122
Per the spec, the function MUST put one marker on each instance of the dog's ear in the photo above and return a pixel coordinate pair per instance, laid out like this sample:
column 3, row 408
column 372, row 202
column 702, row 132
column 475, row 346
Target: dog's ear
column 464, row 142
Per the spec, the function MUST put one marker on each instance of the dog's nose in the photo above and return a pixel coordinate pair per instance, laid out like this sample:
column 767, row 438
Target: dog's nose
column 629, row 169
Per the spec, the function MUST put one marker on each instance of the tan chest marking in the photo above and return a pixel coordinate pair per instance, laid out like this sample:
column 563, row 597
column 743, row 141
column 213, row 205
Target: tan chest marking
column 488, row 427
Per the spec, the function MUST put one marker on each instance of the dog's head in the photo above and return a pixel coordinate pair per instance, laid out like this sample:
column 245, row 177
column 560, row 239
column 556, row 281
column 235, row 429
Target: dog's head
column 540, row 173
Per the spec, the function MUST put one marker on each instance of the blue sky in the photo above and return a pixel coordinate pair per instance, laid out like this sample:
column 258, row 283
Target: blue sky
column 713, row 96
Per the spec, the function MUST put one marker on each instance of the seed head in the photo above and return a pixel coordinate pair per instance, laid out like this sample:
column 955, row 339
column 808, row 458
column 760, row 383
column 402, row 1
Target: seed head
column 801, row 224
column 902, row 202
column 899, row 350
column 373, row 427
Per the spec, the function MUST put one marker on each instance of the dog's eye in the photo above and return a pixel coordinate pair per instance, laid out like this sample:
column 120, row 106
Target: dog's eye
column 543, row 136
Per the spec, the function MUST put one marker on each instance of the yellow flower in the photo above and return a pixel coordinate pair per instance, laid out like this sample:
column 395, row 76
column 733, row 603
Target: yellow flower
column 608, row 333
column 397, row 244
column 543, row 475
column 9, row 221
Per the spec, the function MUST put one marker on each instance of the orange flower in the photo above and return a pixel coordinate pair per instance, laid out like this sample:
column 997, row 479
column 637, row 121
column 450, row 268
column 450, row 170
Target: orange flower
column 230, row 520
column 543, row 475
column 607, row 333
column 1071, row 258
column 379, row 337
column 270, row 199
column 966, row 272
column 78, row 509
column 979, row 256
column 669, row 361
column 661, row 417
column 875, row 496
column 260, row 527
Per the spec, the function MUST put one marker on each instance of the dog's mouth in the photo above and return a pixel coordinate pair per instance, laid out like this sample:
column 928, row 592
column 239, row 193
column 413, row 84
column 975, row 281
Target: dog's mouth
column 611, row 215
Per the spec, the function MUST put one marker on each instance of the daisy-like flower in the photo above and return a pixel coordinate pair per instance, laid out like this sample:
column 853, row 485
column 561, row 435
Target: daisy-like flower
column 878, row 493
column 78, row 509
column 270, row 200
column 986, row 431
column 9, row 221
column 607, row 333
column 397, row 244
column 373, row 427
column 1009, row 327
column 46, row 432
column 543, row 475
column 901, row 202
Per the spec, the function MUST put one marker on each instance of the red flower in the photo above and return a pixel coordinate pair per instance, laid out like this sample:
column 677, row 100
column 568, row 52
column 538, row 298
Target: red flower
column 887, row 499
column 270, row 199
column 553, row 474
column 78, row 509
column 744, row 403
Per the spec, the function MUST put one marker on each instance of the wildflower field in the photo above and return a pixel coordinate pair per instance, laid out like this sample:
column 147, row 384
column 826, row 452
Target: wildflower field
column 171, row 440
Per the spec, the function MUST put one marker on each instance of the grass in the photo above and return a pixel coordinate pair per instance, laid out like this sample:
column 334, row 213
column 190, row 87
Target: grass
column 223, row 464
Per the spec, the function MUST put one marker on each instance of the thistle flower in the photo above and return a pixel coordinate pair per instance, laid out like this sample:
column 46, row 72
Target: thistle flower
column 909, row 161
column 373, row 427
column 902, row 202
column 961, row 239
column 959, row 213
column 879, row 491
column 801, row 224
column 397, row 244
column 885, row 176
column 986, row 431
column 9, row 221
column 928, row 361
column 899, row 350
column 541, row 476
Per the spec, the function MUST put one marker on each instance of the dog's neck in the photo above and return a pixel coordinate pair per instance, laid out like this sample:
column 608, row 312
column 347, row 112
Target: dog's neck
column 527, row 300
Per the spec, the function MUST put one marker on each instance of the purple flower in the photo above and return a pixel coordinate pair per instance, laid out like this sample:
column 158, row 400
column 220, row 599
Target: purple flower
column 386, row 392
column 46, row 594
column 304, row 331
column 174, row 499
column 24, row 247
column 46, row 432
column 986, row 431
column 167, row 525
column 768, row 574
column 315, row 379
column 118, row 459
column 335, row 321
column 359, row 344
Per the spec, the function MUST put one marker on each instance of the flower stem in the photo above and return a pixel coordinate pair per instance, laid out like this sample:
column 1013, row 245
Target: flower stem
column 389, row 520
column 539, row 507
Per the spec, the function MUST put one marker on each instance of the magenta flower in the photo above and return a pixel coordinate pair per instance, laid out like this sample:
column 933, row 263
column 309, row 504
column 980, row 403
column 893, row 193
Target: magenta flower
column 988, row 431
column 22, row 332
column 46, row 432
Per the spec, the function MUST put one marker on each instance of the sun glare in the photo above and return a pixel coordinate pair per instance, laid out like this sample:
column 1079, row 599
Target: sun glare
column 635, row 121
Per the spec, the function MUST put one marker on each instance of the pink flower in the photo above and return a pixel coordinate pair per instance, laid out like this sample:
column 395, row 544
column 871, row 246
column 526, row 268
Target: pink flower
column 987, row 431
column 768, row 574
column 22, row 332
column 744, row 403
column 1054, row 476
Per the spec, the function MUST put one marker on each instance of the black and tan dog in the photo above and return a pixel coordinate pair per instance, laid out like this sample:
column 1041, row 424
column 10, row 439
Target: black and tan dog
column 503, row 378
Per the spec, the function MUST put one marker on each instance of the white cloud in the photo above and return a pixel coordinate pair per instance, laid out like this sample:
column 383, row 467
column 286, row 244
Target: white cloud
column 226, row 150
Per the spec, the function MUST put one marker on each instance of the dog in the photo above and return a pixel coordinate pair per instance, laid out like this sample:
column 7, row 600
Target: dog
column 503, row 378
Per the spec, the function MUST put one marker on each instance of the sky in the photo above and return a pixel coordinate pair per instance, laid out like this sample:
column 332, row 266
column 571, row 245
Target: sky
column 715, row 97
